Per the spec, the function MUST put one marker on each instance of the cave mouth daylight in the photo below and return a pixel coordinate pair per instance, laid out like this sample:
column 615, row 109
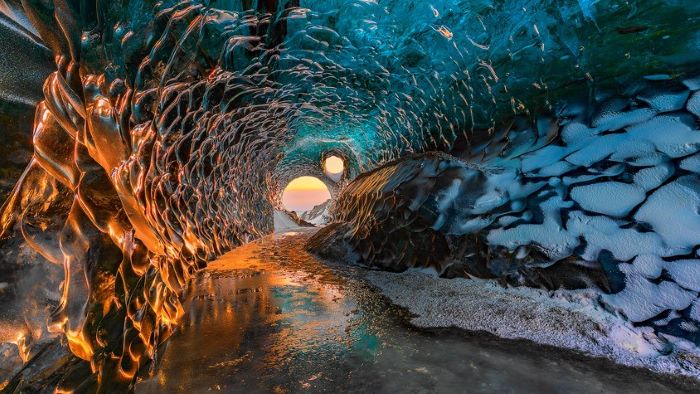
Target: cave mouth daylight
column 304, row 193
column 334, row 167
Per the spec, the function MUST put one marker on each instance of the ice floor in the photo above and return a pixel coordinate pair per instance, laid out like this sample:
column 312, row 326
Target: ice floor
column 268, row 317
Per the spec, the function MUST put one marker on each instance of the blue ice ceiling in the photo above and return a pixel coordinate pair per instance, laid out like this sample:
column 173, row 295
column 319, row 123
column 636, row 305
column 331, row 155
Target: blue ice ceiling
column 381, row 78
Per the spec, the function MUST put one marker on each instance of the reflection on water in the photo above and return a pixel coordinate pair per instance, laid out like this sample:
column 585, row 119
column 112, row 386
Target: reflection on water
column 269, row 317
column 249, row 316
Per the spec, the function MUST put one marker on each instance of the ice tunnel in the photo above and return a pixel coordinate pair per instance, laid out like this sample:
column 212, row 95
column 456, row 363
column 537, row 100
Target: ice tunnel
column 549, row 144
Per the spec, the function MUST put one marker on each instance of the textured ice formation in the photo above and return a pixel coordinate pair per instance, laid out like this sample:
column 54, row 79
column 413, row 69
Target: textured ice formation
column 168, row 130
column 613, row 209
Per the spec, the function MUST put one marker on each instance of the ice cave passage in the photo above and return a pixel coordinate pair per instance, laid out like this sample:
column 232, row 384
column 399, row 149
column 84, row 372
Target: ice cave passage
column 526, row 168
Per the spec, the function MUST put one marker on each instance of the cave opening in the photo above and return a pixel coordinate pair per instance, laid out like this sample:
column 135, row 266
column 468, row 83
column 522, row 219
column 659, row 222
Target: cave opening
column 304, row 193
column 305, row 201
column 334, row 167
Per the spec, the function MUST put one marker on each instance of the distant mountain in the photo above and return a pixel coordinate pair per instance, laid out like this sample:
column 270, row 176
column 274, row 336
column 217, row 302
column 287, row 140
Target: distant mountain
column 318, row 215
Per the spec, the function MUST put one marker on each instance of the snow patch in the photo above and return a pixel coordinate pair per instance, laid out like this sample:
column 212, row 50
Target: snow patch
column 674, row 213
column 609, row 198
column 567, row 319
column 641, row 299
column 666, row 101
column 691, row 163
column 693, row 105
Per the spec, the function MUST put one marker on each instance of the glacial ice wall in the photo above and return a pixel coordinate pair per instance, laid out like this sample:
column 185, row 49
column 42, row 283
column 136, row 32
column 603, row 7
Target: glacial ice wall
column 606, row 197
column 169, row 128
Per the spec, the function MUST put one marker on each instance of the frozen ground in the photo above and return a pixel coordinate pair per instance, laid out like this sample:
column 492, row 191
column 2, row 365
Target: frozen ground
column 269, row 317
column 569, row 319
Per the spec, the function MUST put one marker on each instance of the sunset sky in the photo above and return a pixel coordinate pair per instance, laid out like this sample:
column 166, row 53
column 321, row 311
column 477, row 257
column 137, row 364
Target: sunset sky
column 304, row 193
column 334, row 165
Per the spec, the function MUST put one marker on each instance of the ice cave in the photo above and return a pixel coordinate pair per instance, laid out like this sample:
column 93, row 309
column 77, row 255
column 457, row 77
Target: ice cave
column 510, row 196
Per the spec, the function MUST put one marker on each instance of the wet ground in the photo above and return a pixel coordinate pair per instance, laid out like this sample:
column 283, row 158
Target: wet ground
column 269, row 317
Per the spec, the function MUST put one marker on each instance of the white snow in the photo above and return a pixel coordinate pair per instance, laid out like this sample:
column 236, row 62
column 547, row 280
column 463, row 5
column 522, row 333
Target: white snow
column 609, row 198
column 602, row 233
column 641, row 299
column 653, row 177
column 618, row 120
column 556, row 242
column 666, row 101
column 556, row 169
column 634, row 149
column 674, row 213
column 648, row 265
column 574, row 133
column 597, row 150
column 283, row 223
column 669, row 134
column 569, row 319
column 612, row 171
column 609, row 175
column 686, row 273
column 692, row 83
column 691, row 163
column 667, row 214
column 543, row 157
column 693, row 104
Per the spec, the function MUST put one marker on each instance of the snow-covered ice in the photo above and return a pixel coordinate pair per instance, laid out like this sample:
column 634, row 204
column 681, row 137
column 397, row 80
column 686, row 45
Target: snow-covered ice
column 567, row 319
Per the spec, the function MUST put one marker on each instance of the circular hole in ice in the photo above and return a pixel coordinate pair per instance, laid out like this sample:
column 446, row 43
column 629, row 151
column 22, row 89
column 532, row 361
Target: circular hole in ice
column 304, row 193
column 334, row 166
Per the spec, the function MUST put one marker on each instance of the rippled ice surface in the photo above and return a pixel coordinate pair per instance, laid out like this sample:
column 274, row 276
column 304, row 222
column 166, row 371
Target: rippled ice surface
column 269, row 317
